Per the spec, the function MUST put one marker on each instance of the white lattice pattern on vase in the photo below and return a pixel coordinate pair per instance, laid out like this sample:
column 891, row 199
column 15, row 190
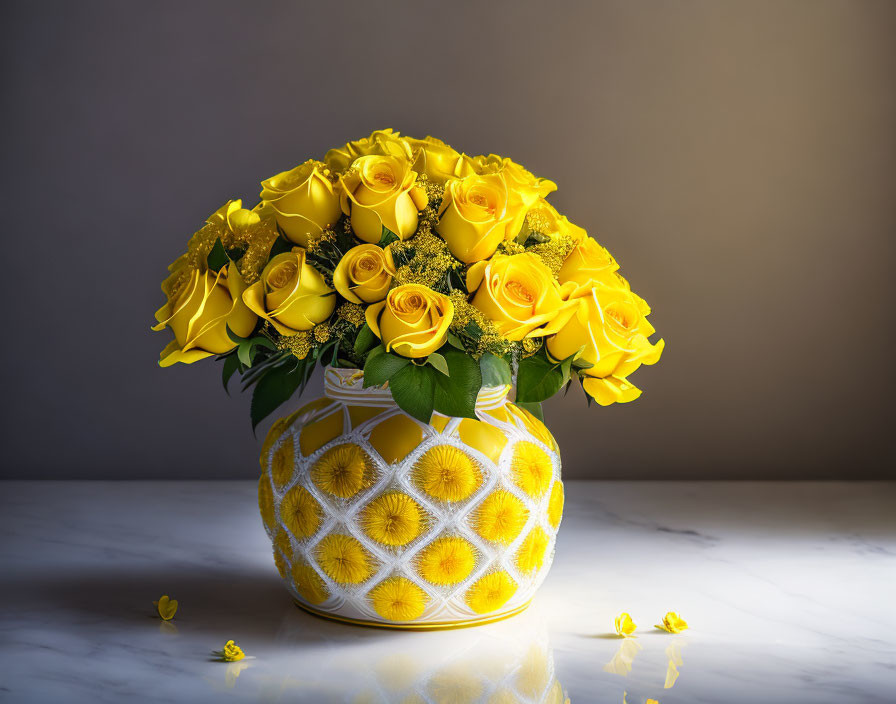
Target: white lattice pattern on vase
column 377, row 517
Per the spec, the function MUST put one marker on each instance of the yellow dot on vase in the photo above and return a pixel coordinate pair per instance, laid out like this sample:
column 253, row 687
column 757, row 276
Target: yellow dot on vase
column 555, row 505
column 300, row 512
column 532, row 469
column 531, row 554
column 393, row 519
column 447, row 560
column 344, row 559
column 266, row 501
column 447, row 473
column 309, row 584
column 283, row 463
column 490, row 592
column 398, row 599
column 343, row 471
column 500, row 517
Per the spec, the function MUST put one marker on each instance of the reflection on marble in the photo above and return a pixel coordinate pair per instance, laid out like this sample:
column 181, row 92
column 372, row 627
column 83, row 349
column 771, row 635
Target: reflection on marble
column 788, row 589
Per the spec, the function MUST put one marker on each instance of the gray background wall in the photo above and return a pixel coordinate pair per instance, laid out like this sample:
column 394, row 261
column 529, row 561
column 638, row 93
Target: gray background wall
column 738, row 158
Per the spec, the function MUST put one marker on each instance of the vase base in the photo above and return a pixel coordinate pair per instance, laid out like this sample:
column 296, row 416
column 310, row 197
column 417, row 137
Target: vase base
column 437, row 626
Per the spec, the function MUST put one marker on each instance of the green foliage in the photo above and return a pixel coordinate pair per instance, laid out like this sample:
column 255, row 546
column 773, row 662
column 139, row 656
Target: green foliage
column 438, row 361
column 538, row 378
column 231, row 364
column 217, row 258
column 381, row 366
column 248, row 347
column 365, row 340
column 455, row 341
column 456, row 393
column 275, row 387
column 388, row 237
column 534, row 408
column 495, row 370
column 413, row 388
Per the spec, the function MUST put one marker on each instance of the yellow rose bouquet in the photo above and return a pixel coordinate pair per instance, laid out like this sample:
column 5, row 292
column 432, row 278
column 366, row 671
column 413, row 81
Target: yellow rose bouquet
column 434, row 272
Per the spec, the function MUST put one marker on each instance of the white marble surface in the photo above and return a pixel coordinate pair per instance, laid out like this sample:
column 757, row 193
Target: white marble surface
column 790, row 590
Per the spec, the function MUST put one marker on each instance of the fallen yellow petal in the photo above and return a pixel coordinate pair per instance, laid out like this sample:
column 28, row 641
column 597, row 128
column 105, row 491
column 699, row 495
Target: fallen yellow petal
column 624, row 625
column 166, row 607
column 232, row 652
column 673, row 623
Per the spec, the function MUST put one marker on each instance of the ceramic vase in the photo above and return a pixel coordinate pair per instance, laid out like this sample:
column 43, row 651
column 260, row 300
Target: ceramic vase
column 379, row 519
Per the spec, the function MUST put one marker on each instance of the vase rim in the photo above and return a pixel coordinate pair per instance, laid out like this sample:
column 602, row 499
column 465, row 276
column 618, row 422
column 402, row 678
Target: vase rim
column 347, row 385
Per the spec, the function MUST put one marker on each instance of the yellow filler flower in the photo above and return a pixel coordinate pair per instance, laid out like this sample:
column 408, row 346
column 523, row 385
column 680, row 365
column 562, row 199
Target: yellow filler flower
column 624, row 625
column 166, row 607
column 673, row 623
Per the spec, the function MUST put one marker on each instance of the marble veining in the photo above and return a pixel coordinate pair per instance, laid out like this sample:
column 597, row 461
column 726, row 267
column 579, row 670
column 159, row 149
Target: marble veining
column 790, row 589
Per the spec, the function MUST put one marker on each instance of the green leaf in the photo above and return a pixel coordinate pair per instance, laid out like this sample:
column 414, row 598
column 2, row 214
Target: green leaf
column 273, row 389
column 495, row 370
column 250, row 376
column 565, row 368
column 388, row 237
column 247, row 347
column 413, row 388
column 365, row 340
column 456, row 394
column 380, row 368
column 454, row 341
column 534, row 408
column 438, row 361
column 231, row 364
column 581, row 364
column 537, row 379
column 245, row 353
column 217, row 258
column 234, row 337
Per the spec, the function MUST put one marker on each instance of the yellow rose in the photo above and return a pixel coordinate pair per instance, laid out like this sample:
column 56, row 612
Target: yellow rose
column 413, row 320
column 303, row 200
column 233, row 217
column 291, row 294
column 364, row 274
column 433, row 158
column 200, row 311
column 611, row 330
column 588, row 262
column 477, row 214
column 544, row 218
column 381, row 191
column 519, row 294
column 519, row 179
column 383, row 142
